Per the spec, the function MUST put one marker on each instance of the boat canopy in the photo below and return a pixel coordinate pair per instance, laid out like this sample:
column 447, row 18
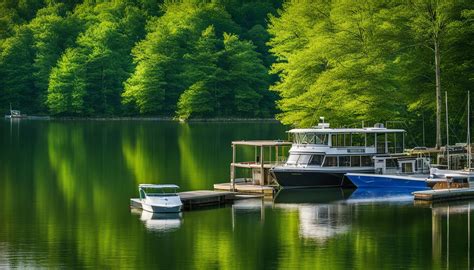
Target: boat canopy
column 157, row 186
column 345, row 130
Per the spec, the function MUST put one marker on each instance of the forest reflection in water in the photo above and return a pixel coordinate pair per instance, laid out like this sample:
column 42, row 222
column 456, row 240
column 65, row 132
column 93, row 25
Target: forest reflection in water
column 65, row 189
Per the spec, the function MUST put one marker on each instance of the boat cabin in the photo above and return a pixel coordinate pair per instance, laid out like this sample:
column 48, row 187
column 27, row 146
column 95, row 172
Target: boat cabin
column 401, row 165
column 343, row 147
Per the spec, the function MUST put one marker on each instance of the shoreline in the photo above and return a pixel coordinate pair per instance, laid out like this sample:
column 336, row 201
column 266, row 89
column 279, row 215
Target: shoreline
column 151, row 118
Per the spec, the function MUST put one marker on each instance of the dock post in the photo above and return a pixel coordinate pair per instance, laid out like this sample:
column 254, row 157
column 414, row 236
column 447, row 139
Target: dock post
column 276, row 155
column 262, row 170
column 232, row 168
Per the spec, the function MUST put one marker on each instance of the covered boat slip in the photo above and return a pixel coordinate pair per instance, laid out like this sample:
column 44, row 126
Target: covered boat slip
column 258, row 158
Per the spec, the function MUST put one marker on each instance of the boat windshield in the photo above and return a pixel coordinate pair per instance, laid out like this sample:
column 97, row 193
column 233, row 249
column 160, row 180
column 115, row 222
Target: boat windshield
column 149, row 191
column 310, row 138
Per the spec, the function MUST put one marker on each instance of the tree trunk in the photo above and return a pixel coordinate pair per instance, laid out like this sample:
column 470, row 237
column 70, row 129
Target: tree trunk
column 438, row 93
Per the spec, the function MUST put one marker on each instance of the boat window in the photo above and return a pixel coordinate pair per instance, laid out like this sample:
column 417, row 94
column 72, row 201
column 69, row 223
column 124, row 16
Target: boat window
column 407, row 167
column 292, row 159
column 316, row 160
column 310, row 138
column 396, row 145
column 391, row 163
column 330, row 161
column 345, row 140
column 142, row 194
column 357, row 139
column 370, row 139
column 355, row 161
column 338, row 140
column 381, row 143
column 344, row 161
column 367, row 161
column 304, row 159
column 321, row 139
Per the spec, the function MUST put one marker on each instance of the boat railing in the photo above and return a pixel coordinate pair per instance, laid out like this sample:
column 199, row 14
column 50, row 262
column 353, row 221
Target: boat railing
column 161, row 194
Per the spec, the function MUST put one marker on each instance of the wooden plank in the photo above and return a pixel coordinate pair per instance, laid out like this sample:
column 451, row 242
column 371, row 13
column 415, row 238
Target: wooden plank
column 444, row 194
column 246, row 188
column 203, row 194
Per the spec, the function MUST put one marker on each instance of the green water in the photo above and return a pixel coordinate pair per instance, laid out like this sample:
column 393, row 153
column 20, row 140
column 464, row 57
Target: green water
column 65, row 189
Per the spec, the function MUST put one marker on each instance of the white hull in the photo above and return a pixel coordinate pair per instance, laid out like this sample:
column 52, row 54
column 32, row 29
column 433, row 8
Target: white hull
column 161, row 208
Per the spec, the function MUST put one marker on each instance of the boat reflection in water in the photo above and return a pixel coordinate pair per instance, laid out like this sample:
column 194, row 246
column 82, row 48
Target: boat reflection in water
column 381, row 195
column 322, row 212
column 160, row 222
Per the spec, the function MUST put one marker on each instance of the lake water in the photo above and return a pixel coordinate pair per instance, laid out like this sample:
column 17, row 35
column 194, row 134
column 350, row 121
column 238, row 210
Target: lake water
column 64, row 202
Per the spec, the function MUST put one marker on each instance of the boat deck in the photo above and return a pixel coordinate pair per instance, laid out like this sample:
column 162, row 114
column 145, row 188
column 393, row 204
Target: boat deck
column 197, row 198
column 444, row 194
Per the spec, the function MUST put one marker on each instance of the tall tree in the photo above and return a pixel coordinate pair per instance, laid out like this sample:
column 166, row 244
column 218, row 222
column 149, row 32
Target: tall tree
column 68, row 86
column 105, row 62
column 53, row 31
column 16, row 69
column 202, row 98
column 157, row 82
column 433, row 23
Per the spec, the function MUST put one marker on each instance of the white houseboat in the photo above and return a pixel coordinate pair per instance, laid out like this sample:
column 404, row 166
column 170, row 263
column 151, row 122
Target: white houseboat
column 320, row 156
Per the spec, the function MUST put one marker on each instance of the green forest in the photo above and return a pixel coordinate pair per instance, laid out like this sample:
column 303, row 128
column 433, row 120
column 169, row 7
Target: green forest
column 350, row 61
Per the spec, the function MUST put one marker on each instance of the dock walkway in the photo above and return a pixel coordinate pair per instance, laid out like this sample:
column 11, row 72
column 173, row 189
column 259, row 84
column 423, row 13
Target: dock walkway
column 246, row 188
column 444, row 194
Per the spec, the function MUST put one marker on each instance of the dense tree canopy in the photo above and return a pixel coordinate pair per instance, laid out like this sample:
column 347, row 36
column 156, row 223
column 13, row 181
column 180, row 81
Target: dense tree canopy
column 370, row 60
column 136, row 57
column 347, row 60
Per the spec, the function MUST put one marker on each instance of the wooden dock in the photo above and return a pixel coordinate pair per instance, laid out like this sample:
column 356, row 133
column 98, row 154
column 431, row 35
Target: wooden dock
column 444, row 194
column 197, row 198
column 246, row 188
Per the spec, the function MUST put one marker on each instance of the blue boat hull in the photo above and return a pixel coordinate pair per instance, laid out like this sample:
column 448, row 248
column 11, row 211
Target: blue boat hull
column 387, row 181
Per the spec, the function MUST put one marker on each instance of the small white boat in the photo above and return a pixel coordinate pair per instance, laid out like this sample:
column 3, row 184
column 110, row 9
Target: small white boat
column 15, row 114
column 160, row 198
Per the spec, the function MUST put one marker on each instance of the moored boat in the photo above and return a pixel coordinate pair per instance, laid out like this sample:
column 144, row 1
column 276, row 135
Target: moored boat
column 15, row 114
column 160, row 198
column 321, row 156
column 395, row 172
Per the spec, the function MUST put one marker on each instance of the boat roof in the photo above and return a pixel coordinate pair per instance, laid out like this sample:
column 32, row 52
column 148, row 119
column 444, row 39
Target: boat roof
column 345, row 130
column 262, row 143
column 158, row 186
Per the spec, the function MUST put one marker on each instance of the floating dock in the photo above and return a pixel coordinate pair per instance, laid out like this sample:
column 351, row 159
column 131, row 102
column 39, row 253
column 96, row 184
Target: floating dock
column 193, row 199
column 246, row 188
column 444, row 194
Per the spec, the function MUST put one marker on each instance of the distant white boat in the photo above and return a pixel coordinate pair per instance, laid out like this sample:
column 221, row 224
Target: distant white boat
column 160, row 198
column 15, row 114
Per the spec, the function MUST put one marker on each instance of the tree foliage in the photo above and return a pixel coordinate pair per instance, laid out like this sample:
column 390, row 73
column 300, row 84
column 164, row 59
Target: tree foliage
column 124, row 57
column 368, row 60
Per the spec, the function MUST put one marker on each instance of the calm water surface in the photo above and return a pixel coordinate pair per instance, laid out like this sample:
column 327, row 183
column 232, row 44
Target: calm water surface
column 65, row 189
